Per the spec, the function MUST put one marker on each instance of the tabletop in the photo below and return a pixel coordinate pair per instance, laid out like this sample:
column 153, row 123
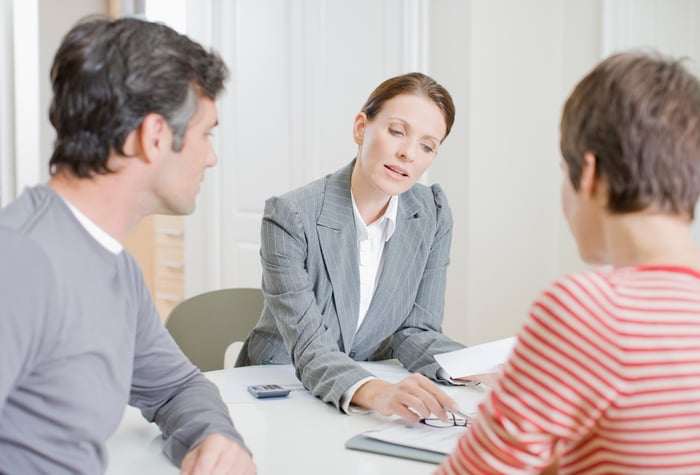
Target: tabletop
column 295, row 434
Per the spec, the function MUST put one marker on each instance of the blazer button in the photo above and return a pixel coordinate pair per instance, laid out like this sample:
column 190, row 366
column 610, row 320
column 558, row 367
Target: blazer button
column 351, row 354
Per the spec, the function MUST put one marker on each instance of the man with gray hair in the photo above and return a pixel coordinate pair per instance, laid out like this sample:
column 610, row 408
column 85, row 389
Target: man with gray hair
column 133, row 108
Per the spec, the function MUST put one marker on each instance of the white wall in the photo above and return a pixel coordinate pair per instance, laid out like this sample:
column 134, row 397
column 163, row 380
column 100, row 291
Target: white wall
column 26, row 100
column 302, row 69
column 300, row 73
column 510, row 65
column 31, row 33
column 669, row 26
column 7, row 103
column 54, row 20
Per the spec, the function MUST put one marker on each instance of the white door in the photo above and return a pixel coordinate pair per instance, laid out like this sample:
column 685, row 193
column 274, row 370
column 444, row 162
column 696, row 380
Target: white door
column 301, row 70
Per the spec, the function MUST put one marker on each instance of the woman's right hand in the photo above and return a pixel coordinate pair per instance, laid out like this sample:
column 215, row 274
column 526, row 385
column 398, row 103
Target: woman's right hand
column 413, row 398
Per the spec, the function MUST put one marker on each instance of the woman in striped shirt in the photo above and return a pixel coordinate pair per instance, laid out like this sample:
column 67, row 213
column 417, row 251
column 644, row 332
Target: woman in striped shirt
column 605, row 377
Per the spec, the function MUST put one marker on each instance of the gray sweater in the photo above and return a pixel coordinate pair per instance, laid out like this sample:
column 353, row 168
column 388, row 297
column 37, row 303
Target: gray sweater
column 79, row 339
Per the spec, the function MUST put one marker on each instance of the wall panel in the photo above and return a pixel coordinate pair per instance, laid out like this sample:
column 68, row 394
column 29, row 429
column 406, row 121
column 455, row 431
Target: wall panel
column 300, row 72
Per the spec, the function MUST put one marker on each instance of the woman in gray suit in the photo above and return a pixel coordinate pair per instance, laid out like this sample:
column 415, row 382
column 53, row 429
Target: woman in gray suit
column 354, row 264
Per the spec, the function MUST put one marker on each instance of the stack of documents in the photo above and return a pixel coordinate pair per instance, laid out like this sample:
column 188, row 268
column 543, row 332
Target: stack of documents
column 431, row 444
column 477, row 359
column 415, row 442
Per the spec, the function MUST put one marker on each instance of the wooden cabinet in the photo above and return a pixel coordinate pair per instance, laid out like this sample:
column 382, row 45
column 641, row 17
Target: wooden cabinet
column 158, row 246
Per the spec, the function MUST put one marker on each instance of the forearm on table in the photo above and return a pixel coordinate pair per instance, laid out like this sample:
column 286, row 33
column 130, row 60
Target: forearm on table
column 329, row 375
column 195, row 412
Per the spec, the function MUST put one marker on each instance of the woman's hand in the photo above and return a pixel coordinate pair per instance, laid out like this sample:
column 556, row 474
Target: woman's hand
column 413, row 398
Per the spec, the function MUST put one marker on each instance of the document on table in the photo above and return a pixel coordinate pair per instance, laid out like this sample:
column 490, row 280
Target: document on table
column 418, row 436
column 419, row 441
column 477, row 359
column 414, row 442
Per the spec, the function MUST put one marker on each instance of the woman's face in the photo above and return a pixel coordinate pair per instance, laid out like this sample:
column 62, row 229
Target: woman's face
column 398, row 144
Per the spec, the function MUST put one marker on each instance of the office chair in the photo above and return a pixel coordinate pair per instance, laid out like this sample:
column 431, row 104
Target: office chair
column 204, row 326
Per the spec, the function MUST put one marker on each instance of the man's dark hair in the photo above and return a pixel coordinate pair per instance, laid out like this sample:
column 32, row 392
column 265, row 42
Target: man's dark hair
column 639, row 115
column 109, row 74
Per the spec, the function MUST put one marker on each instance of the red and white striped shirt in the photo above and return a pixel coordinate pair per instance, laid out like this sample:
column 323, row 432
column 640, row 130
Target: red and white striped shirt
column 606, row 372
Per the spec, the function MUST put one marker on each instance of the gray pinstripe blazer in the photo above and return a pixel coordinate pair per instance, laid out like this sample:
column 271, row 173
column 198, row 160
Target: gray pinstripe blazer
column 311, row 285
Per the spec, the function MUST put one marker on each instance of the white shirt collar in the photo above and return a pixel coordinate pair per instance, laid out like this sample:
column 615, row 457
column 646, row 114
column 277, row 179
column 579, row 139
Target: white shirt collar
column 389, row 215
column 105, row 240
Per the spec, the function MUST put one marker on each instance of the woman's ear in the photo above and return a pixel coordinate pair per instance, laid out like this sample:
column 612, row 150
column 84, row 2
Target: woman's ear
column 589, row 180
column 358, row 129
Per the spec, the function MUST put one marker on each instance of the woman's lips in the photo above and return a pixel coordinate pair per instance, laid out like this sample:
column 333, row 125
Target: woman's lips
column 397, row 170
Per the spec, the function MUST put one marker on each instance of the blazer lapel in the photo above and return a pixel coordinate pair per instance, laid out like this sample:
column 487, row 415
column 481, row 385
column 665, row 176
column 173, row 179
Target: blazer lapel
column 399, row 259
column 336, row 234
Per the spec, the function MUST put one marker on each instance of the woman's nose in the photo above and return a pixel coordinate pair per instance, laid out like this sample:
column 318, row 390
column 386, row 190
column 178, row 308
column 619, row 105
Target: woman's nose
column 404, row 152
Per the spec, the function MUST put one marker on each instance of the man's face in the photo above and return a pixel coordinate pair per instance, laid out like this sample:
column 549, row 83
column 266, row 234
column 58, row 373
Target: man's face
column 181, row 173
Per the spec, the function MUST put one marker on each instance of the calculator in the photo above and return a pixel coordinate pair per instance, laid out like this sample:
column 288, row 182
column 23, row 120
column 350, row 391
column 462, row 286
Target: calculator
column 268, row 390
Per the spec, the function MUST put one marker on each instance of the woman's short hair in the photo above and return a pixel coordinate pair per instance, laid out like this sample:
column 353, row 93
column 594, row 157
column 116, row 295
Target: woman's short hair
column 638, row 113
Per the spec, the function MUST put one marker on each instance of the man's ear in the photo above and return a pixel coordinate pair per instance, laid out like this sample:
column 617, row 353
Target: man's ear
column 153, row 136
column 358, row 129
column 132, row 143
column 589, row 180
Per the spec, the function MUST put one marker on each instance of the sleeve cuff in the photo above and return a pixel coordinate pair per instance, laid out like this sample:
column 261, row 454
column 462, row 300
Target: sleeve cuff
column 442, row 375
column 347, row 397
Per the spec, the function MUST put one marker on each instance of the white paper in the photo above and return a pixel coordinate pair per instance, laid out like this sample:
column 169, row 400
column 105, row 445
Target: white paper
column 442, row 440
column 478, row 359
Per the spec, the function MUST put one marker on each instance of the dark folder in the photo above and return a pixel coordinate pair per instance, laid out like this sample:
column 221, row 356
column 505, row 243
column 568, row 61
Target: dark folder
column 367, row 444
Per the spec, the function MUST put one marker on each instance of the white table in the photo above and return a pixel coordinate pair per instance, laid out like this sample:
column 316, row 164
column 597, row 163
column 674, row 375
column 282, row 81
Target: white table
column 298, row 434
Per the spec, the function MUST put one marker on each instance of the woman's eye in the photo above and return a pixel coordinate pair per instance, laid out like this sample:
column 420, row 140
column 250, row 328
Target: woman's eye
column 427, row 148
column 396, row 132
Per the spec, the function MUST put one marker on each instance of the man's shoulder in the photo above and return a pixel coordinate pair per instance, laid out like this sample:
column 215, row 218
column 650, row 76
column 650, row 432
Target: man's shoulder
column 26, row 270
column 28, row 209
column 15, row 247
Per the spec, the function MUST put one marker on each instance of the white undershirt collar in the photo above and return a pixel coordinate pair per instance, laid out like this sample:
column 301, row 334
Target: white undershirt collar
column 104, row 239
column 390, row 214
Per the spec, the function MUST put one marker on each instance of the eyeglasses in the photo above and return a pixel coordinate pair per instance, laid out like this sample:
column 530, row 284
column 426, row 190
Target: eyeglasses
column 454, row 419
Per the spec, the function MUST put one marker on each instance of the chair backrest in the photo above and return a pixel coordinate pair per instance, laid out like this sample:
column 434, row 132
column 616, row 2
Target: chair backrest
column 203, row 326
